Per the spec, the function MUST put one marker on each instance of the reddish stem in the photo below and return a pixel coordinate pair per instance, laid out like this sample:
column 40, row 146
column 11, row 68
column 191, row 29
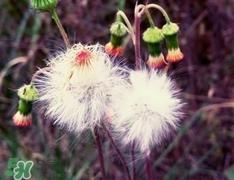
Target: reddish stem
column 100, row 152
column 133, row 162
column 137, row 42
column 118, row 152
column 148, row 168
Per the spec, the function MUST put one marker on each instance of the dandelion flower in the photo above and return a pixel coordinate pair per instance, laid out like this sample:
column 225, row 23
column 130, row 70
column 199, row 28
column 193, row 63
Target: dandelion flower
column 147, row 111
column 77, row 86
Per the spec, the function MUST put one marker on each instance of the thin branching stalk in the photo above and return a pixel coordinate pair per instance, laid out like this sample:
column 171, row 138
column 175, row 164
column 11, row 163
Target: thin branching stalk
column 139, row 10
column 164, row 13
column 128, row 24
column 151, row 21
column 100, row 152
column 60, row 27
column 118, row 152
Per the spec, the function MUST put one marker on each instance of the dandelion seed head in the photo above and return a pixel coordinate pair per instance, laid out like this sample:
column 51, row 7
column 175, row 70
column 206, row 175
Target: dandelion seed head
column 77, row 88
column 147, row 111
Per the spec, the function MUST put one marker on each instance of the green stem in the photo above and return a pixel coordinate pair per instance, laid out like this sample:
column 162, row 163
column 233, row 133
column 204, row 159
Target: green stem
column 151, row 21
column 55, row 17
column 164, row 13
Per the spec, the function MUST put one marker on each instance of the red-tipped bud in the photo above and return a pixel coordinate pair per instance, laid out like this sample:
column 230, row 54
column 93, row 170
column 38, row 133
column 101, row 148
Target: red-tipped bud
column 170, row 31
column 22, row 120
column 114, row 51
column 174, row 55
column 156, row 61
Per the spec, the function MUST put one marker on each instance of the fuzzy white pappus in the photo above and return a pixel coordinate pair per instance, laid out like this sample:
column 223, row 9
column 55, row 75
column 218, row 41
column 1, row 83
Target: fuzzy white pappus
column 77, row 86
column 147, row 111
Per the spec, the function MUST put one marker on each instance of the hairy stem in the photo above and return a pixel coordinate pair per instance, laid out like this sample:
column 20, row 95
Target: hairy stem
column 118, row 152
column 60, row 27
column 100, row 152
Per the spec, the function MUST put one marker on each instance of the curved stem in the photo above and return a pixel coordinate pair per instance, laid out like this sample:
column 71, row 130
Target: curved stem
column 55, row 17
column 100, row 152
column 139, row 10
column 127, row 22
column 151, row 21
column 117, row 151
column 156, row 6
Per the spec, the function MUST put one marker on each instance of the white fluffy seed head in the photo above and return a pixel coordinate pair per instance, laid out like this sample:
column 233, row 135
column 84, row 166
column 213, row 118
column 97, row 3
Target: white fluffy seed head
column 147, row 111
column 77, row 95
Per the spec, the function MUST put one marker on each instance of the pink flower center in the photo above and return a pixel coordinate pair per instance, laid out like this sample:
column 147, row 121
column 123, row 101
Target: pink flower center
column 83, row 57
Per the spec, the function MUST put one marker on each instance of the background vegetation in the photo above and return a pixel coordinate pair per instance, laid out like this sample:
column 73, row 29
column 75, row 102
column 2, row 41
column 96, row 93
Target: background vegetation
column 203, row 147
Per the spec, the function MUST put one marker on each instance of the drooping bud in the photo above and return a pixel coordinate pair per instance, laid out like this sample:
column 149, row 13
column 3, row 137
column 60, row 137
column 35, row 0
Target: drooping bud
column 118, row 31
column 170, row 31
column 27, row 94
column 153, row 37
column 44, row 5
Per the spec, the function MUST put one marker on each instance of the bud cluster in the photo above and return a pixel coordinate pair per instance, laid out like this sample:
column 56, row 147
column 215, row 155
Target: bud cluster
column 153, row 37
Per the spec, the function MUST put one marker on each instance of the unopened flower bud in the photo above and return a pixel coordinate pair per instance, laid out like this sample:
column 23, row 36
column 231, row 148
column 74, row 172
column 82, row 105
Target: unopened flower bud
column 27, row 94
column 153, row 37
column 170, row 31
column 118, row 31
column 44, row 5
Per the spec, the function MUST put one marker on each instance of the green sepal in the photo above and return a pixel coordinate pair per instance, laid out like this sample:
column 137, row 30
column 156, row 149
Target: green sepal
column 153, row 35
column 154, row 49
column 172, row 41
column 24, row 107
column 116, row 41
column 118, row 29
column 44, row 5
column 170, row 29
column 28, row 93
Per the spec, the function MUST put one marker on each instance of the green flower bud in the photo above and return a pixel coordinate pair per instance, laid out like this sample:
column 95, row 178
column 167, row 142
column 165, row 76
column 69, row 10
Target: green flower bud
column 44, row 5
column 24, row 107
column 28, row 93
column 118, row 29
column 170, row 31
column 153, row 35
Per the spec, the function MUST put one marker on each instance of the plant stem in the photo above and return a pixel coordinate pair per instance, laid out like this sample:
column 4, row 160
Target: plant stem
column 139, row 10
column 148, row 168
column 118, row 152
column 133, row 162
column 149, row 17
column 100, row 152
column 164, row 13
column 128, row 24
column 55, row 17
